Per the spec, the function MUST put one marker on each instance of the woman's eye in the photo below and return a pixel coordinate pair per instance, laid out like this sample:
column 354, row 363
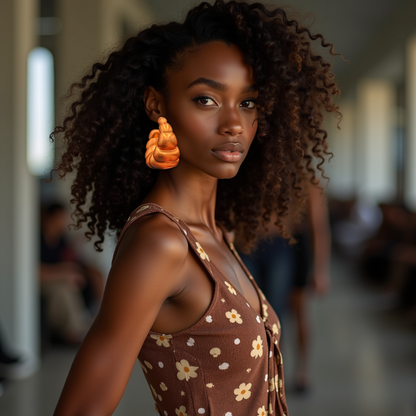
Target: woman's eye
column 206, row 101
column 248, row 104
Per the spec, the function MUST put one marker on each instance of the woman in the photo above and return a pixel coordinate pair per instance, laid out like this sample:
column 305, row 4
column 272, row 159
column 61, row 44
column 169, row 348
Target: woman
column 232, row 77
column 285, row 273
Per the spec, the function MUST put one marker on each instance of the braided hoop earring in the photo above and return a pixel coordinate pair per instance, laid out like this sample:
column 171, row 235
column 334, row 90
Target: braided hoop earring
column 162, row 150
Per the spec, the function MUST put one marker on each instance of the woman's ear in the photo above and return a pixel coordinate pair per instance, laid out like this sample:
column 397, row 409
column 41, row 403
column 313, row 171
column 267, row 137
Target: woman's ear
column 154, row 104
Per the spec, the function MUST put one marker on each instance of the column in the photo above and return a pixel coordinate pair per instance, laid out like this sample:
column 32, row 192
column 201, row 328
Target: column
column 410, row 125
column 341, row 143
column 19, row 301
column 375, row 154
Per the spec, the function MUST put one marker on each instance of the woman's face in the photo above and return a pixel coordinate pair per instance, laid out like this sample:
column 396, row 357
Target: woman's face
column 212, row 110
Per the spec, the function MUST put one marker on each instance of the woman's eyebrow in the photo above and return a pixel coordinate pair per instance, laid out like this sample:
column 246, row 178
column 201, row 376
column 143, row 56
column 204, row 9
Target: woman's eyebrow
column 210, row 83
column 218, row 85
column 251, row 88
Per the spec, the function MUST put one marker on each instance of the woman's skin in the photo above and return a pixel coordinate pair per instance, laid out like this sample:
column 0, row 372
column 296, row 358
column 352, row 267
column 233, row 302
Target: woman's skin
column 156, row 281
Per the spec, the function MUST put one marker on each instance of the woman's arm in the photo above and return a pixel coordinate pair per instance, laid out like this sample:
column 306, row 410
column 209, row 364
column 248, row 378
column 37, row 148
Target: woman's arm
column 321, row 239
column 146, row 271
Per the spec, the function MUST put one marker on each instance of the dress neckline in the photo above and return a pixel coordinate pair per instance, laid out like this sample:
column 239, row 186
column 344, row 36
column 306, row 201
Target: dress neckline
column 231, row 247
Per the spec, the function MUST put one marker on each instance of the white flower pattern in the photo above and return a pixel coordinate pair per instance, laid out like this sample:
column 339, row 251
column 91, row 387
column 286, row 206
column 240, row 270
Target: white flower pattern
column 257, row 345
column 243, row 391
column 181, row 411
column 162, row 340
column 234, row 316
column 185, row 370
column 231, row 288
column 221, row 358
column 261, row 411
column 201, row 251
column 215, row 352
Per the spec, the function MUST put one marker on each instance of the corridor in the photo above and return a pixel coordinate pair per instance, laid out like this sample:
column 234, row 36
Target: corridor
column 363, row 362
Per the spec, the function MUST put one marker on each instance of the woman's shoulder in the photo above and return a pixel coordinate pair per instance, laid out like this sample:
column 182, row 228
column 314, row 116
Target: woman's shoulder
column 155, row 233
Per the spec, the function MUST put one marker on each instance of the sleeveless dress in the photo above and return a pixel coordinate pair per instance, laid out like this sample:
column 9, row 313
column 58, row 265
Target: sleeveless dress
column 228, row 363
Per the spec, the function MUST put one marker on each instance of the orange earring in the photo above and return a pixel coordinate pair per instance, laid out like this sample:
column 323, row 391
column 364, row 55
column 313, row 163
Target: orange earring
column 162, row 150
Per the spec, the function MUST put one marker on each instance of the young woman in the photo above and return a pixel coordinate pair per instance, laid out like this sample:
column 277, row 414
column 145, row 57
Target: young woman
column 236, row 83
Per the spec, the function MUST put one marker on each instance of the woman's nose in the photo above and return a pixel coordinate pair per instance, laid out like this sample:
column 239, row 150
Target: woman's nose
column 231, row 125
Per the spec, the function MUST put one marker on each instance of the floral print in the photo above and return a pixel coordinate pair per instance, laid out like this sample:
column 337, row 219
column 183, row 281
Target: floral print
column 162, row 340
column 273, row 383
column 181, row 411
column 157, row 396
column 143, row 208
column 243, row 391
column 185, row 370
column 143, row 367
column 215, row 352
column 265, row 313
column 233, row 350
column 231, row 288
column 202, row 254
column 234, row 316
column 224, row 366
column 261, row 411
column 257, row 345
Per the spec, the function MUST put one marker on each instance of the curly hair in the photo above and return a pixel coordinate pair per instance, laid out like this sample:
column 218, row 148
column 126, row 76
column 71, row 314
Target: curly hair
column 106, row 129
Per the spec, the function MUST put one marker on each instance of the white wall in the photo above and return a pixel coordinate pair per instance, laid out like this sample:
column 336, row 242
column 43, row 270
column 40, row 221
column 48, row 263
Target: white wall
column 410, row 123
column 376, row 180
column 18, row 189
column 341, row 169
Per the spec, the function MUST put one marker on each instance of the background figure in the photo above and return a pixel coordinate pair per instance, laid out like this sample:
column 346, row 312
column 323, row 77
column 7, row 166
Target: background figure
column 284, row 272
column 70, row 290
column 389, row 258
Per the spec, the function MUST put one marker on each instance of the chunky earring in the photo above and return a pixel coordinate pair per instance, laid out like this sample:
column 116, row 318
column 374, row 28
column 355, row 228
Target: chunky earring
column 162, row 150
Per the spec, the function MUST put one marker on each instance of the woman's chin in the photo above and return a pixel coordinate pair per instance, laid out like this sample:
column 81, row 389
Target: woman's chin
column 228, row 173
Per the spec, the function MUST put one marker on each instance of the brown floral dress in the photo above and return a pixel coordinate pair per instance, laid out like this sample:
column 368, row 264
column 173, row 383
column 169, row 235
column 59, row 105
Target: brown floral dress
column 228, row 363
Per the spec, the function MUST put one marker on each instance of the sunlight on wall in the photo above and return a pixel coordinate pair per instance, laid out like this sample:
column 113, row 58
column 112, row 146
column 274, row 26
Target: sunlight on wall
column 410, row 180
column 40, row 111
column 375, row 146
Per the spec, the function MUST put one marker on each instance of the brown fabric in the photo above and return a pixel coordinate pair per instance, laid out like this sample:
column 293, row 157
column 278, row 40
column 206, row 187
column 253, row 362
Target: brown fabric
column 228, row 363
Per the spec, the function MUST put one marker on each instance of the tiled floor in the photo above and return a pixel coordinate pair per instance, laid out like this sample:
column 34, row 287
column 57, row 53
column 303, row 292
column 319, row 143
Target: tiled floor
column 363, row 363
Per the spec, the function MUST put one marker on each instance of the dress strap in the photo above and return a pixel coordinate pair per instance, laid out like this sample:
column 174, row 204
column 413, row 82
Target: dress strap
column 150, row 208
column 235, row 252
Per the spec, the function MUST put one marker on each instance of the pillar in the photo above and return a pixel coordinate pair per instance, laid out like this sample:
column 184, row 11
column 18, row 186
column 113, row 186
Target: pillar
column 410, row 125
column 375, row 155
column 19, row 302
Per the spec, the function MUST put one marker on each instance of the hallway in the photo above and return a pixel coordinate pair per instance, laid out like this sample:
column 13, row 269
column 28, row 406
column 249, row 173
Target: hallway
column 363, row 362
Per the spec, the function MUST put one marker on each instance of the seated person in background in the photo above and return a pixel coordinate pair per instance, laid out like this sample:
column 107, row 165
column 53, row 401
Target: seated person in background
column 390, row 257
column 379, row 251
column 70, row 289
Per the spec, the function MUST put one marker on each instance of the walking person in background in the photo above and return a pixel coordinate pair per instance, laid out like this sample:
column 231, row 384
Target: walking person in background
column 288, row 272
column 232, row 101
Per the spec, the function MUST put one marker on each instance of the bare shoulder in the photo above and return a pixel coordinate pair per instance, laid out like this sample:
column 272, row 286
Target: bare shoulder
column 150, row 245
column 154, row 231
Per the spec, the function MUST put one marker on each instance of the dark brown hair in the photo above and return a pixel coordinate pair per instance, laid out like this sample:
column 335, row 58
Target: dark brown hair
column 106, row 130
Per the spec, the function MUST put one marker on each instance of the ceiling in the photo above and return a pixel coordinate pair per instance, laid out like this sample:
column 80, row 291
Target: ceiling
column 351, row 25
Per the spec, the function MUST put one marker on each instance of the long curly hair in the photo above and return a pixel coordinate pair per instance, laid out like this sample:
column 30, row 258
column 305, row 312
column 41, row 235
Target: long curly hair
column 106, row 128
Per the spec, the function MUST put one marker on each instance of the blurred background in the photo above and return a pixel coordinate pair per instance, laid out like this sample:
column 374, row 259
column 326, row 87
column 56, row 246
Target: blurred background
column 362, row 344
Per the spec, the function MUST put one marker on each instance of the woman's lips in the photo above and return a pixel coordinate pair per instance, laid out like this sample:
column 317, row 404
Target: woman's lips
column 229, row 152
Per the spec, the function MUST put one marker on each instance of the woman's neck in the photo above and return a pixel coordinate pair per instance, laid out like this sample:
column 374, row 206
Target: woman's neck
column 187, row 194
